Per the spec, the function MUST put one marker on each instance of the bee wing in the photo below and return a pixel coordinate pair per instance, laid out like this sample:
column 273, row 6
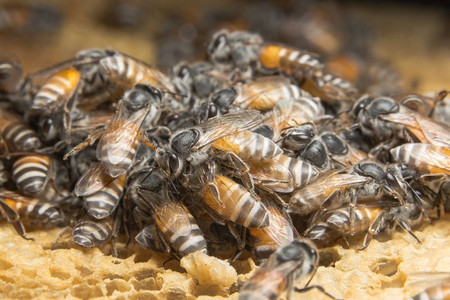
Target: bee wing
column 273, row 174
column 120, row 136
column 435, row 156
column 93, row 180
column 228, row 124
column 263, row 89
column 436, row 134
column 281, row 229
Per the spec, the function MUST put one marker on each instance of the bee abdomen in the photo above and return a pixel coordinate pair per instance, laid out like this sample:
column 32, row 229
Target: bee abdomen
column 91, row 233
column 302, row 172
column 188, row 243
column 102, row 203
column 30, row 173
column 20, row 137
column 249, row 212
column 42, row 214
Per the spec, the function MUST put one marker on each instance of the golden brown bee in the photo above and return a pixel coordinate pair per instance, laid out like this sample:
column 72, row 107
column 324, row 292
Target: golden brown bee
column 177, row 228
column 101, row 192
column 56, row 97
column 16, row 135
column 277, row 274
column 119, row 141
column 18, row 209
column 261, row 94
column 282, row 173
column 426, row 159
column 295, row 62
column 280, row 232
column 234, row 203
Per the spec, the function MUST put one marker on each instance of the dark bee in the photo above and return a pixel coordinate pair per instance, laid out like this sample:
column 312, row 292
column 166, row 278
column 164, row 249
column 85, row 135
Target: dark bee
column 277, row 274
column 11, row 74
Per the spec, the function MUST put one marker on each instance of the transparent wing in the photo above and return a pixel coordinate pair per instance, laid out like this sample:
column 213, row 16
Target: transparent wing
column 92, row 181
column 228, row 124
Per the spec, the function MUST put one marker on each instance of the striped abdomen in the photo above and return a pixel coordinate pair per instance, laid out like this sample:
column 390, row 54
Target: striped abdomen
column 33, row 211
column 117, row 147
column 329, row 87
column 265, row 284
column 248, row 146
column 425, row 158
column 364, row 216
column 128, row 72
column 179, row 228
column 17, row 134
column 60, row 86
column 236, row 203
column 101, row 204
column 289, row 60
column 302, row 171
column 439, row 292
column 89, row 232
column 31, row 172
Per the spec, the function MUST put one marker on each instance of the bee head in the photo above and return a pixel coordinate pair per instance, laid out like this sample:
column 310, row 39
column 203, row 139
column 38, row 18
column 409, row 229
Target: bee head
column 218, row 48
column 141, row 96
column 171, row 165
column 224, row 98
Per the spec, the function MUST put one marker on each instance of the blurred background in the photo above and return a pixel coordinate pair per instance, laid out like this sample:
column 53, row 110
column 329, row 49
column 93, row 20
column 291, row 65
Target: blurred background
column 403, row 43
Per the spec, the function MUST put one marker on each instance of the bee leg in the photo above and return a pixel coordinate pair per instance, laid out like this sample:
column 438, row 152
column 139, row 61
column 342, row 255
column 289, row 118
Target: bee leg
column 352, row 206
column 243, row 169
column 318, row 287
column 439, row 97
column 63, row 232
column 12, row 217
column 148, row 143
column 210, row 177
column 67, row 119
column 240, row 238
column 443, row 199
column 374, row 228
column 90, row 140
column 375, row 152
column 407, row 228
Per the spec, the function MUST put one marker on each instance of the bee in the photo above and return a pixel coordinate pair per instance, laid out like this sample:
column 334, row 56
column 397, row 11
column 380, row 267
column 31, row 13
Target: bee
column 366, row 181
column 56, row 96
column 368, row 219
column 233, row 202
column 177, row 229
column 427, row 159
column 238, row 49
column 16, row 135
column 323, row 151
column 11, row 74
column 191, row 144
column 277, row 274
column 17, row 209
column 280, row 232
column 261, row 94
column 282, row 173
column 390, row 122
column 294, row 62
column 119, row 141
column 101, row 192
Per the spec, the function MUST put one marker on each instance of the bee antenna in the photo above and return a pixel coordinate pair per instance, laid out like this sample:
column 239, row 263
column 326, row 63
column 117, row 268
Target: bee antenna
column 312, row 276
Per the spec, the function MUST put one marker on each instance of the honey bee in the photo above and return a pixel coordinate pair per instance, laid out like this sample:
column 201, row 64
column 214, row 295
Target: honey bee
column 295, row 62
column 31, row 173
column 282, row 173
column 368, row 219
column 265, row 241
column 277, row 274
column 427, row 159
column 101, row 192
column 119, row 141
column 261, row 94
column 190, row 145
column 11, row 74
column 18, row 209
column 323, row 151
column 420, row 103
column 16, row 135
column 232, row 201
column 57, row 95
column 388, row 122
column 177, row 229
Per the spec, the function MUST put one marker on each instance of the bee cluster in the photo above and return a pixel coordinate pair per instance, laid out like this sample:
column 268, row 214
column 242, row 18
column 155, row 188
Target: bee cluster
column 254, row 151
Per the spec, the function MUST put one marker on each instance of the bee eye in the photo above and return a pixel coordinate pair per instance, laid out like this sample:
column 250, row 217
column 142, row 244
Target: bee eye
column 174, row 163
column 218, row 44
column 212, row 111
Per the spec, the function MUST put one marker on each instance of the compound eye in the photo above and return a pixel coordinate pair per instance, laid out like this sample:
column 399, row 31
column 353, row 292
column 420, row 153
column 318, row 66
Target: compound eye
column 212, row 110
column 174, row 164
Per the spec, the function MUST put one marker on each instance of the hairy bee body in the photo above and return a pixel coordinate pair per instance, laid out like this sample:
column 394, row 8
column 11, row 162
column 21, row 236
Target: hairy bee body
column 31, row 173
